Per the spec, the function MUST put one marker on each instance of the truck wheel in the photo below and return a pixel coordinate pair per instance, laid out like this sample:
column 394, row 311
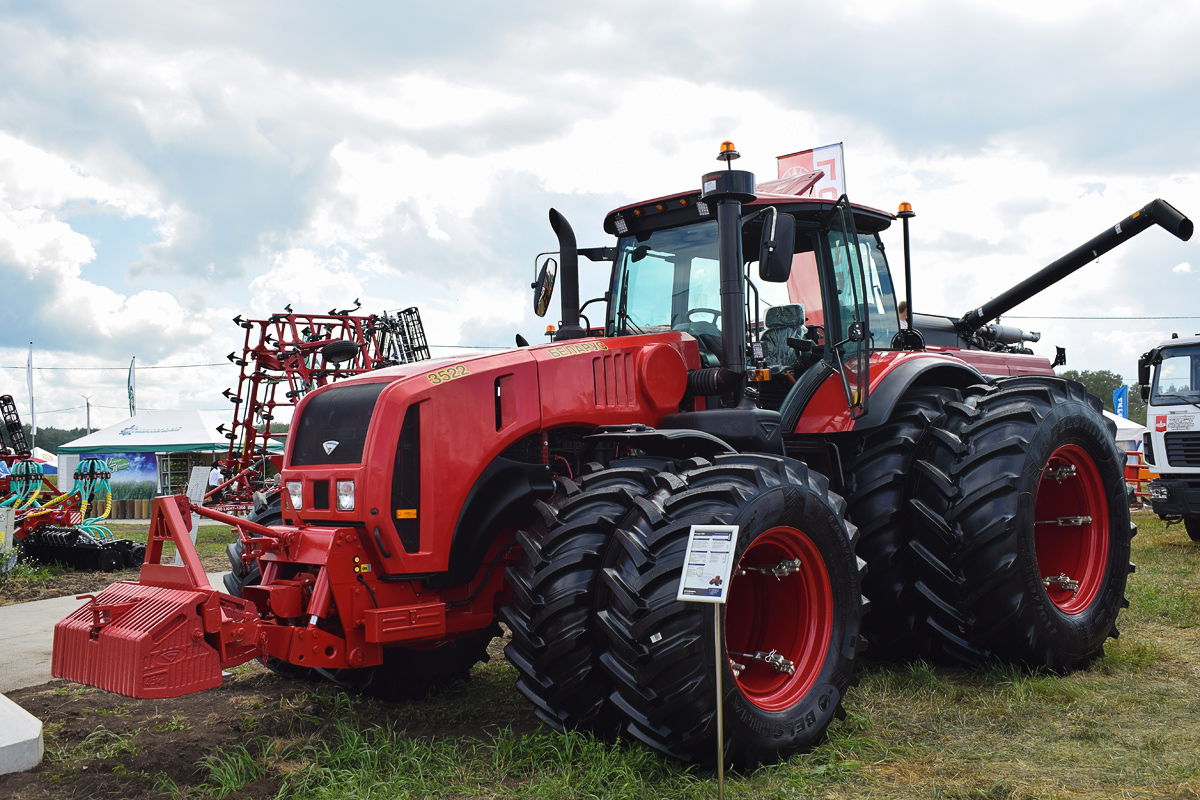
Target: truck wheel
column 789, row 641
column 555, row 644
column 880, row 506
column 1024, row 529
column 1192, row 526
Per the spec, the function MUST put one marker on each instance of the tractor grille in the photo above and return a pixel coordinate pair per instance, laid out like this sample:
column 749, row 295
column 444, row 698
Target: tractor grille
column 614, row 381
column 1183, row 449
column 333, row 427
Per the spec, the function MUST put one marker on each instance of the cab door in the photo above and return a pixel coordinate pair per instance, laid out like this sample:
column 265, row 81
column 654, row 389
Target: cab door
column 848, row 319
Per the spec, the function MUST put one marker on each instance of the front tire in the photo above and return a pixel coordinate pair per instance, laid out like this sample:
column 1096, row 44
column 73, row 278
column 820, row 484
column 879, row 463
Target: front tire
column 1192, row 526
column 1024, row 530
column 660, row 651
column 555, row 644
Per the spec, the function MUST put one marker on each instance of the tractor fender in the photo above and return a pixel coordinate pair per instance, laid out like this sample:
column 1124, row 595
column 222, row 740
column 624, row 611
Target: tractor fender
column 502, row 498
column 678, row 443
column 927, row 371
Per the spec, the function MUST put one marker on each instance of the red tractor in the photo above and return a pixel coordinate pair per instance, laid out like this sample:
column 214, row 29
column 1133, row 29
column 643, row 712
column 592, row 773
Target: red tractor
column 553, row 488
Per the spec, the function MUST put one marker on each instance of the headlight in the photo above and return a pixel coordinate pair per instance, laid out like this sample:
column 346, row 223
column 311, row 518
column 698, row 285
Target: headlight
column 296, row 494
column 345, row 495
column 1157, row 492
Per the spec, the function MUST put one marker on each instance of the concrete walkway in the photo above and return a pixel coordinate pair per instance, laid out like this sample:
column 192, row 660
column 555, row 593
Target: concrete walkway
column 27, row 637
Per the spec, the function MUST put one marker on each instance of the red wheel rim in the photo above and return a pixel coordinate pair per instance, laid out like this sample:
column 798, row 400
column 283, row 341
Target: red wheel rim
column 791, row 615
column 1071, row 529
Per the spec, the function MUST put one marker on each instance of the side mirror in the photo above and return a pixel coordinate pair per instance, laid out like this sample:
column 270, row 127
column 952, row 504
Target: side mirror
column 1144, row 369
column 776, row 248
column 1145, row 392
column 543, row 287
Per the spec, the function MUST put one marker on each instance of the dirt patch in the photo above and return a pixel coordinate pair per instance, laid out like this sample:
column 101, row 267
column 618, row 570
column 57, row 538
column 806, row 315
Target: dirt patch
column 101, row 745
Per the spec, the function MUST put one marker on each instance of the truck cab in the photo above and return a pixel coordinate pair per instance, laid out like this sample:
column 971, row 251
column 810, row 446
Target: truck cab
column 1170, row 379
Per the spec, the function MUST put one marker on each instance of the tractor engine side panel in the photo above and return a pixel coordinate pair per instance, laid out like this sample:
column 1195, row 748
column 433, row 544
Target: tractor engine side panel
column 468, row 412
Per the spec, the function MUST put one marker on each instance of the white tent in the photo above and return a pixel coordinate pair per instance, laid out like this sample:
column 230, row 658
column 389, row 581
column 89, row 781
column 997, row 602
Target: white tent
column 154, row 448
column 155, row 432
column 1129, row 433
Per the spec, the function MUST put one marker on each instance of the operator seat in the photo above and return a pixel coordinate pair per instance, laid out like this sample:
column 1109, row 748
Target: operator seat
column 782, row 323
column 709, row 337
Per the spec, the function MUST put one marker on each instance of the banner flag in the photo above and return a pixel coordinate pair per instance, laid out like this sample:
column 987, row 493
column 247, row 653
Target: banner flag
column 1121, row 401
column 29, row 380
column 132, row 402
column 828, row 159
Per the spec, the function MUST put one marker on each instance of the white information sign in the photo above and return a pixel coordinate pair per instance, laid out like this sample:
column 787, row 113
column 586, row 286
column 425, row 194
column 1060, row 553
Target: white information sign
column 708, row 563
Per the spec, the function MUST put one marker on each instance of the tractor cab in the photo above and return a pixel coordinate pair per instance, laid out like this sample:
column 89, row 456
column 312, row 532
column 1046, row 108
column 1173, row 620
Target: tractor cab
column 829, row 299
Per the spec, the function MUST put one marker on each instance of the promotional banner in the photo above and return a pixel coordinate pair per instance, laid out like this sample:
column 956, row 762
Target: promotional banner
column 828, row 159
column 1121, row 401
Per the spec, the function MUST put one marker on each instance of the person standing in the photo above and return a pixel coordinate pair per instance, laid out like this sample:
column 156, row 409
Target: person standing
column 215, row 479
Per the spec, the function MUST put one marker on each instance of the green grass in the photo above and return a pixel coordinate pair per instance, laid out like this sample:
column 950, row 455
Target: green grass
column 1125, row 727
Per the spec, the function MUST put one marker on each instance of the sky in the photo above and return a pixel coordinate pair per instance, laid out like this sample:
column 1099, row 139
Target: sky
column 165, row 167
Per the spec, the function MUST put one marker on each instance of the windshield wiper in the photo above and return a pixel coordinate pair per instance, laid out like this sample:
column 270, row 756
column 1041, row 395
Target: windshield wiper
column 623, row 320
column 1184, row 398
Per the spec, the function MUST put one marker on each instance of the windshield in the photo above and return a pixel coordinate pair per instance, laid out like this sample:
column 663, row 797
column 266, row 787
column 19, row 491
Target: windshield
column 669, row 279
column 1176, row 379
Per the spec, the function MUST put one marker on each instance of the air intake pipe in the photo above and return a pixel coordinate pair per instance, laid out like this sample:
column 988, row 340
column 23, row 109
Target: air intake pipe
column 1159, row 212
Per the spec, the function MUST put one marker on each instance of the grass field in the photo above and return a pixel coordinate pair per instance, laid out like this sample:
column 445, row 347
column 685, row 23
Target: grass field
column 1126, row 727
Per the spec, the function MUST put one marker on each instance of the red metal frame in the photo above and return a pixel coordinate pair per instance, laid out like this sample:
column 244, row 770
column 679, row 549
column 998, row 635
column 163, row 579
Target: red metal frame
column 287, row 349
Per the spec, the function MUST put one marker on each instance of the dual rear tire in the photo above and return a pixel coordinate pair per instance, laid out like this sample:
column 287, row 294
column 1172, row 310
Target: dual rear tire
column 790, row 626
column 1022, row 530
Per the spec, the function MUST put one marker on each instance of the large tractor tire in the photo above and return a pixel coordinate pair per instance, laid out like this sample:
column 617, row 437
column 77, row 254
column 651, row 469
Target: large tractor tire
column 411, row 673
column 880, row 505
column 789, row 641
column 555, row 644
column 1023, row 527
column 241, row 574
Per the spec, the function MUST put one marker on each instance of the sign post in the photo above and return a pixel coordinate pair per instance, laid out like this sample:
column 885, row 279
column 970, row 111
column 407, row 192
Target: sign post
column 707, row 566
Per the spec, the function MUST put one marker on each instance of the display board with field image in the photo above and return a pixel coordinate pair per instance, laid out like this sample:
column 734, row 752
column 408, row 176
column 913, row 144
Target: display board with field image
column 134, row 475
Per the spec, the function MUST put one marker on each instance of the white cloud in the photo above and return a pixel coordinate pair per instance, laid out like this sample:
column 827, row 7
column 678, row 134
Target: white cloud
column 408, row 156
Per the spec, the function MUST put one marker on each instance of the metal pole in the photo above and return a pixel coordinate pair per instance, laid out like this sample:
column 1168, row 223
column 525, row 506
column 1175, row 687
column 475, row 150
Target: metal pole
column 720, row 703
column 908, row 309
column 87, row 399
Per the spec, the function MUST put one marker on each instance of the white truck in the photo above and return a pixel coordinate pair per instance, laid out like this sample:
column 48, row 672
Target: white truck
column 1169, row 375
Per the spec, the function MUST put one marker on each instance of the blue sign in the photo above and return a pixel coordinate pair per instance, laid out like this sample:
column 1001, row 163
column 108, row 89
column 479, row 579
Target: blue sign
column 1121, row 401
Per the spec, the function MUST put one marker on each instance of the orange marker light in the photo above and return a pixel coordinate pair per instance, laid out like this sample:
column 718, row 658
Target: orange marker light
column 728, row 152
column 549, row 329
column 905, row 207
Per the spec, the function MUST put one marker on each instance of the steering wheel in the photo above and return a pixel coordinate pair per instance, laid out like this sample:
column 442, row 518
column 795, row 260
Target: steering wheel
column 715, row 313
